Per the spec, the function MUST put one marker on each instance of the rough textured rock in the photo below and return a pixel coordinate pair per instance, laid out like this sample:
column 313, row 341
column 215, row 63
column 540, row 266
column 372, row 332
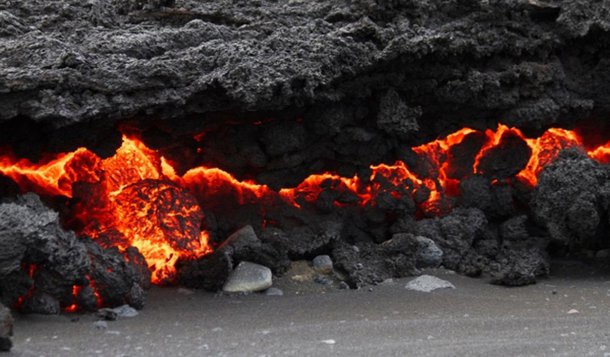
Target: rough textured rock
column 571, row 201
column 370, row 263
column 454, row 234
column 41, row 262
column 209, row 272
column 344, row 84
column 521, row 266
column 248, row 277
column 66, row 62
column 240, row 242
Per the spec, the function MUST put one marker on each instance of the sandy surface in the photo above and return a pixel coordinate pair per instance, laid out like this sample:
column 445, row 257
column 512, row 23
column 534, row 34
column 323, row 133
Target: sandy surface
column 475, row 319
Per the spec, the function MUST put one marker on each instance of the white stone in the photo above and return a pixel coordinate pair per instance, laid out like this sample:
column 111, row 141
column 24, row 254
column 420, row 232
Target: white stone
column 428, row 283
column 248, row 277
column 125, row 311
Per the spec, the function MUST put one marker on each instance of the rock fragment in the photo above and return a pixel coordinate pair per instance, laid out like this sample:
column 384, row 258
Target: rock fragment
column 323, row 264
column 248, row 277
column 429, row 255
column 428, row 283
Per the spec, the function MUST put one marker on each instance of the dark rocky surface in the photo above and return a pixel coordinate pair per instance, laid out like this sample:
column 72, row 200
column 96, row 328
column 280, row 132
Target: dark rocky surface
column 281, row 90
column 41, row 263
column 400, row 67
column 571, row 201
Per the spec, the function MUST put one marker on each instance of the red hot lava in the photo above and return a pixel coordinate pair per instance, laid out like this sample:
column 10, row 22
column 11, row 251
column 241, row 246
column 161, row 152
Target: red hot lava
column 135, row 198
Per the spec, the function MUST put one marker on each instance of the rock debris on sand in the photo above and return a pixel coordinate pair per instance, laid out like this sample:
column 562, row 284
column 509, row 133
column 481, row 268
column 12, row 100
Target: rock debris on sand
column 428, row 283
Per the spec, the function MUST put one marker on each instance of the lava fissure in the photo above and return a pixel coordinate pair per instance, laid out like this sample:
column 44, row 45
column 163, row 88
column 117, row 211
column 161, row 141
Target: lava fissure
column 136, row 199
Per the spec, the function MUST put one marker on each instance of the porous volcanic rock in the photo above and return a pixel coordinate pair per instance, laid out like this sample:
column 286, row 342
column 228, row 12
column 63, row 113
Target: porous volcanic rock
column 41, row 263
column 572, row 199
column 531, row 63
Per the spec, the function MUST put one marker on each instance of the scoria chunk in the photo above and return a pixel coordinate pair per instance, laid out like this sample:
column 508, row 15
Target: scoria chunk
column 32, row 238
column 44, row 268
column 370, row 263
column 521, row 266
column 568, row 200
column 454, row 234
column 113, row 275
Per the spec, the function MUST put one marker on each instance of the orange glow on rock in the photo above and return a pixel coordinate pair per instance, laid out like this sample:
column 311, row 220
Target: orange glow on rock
column 545, row 149
column 205, row 182
column 494, row 138
column 54, row 177
column 136, row 197
column 310, row 188
column 601, row 153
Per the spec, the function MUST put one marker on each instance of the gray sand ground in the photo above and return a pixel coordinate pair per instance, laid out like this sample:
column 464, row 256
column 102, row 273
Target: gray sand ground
column 474, row 319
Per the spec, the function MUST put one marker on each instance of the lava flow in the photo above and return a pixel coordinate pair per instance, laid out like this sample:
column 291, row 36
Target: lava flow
column 135, row 198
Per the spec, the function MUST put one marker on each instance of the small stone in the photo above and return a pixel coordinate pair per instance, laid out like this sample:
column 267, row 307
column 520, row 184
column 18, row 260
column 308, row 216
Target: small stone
column 248, row 277
column 429, row 255
column 428, row 283
column 323, row 264
column 321, row 279
column 274, row 292
column 100, row 325
column 107, row 314
column 125, row 311
column 343, row 285
column 573, row 311
column 329, row 341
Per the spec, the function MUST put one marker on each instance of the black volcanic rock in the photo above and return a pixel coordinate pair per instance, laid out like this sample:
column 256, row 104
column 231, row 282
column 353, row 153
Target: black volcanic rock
column 530, row 63
column 368, row 263
column 41, row 263
column 571, row 201
column 30, row 235
column 521, row 266
column 454, row 234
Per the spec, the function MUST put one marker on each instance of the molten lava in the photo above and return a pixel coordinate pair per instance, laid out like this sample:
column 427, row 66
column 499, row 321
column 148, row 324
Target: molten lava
column 136, row 198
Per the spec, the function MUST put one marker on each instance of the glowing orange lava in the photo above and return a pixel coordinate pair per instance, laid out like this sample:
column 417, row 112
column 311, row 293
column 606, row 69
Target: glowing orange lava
column 545, row 149
column 313, row 185
column 136, row 198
